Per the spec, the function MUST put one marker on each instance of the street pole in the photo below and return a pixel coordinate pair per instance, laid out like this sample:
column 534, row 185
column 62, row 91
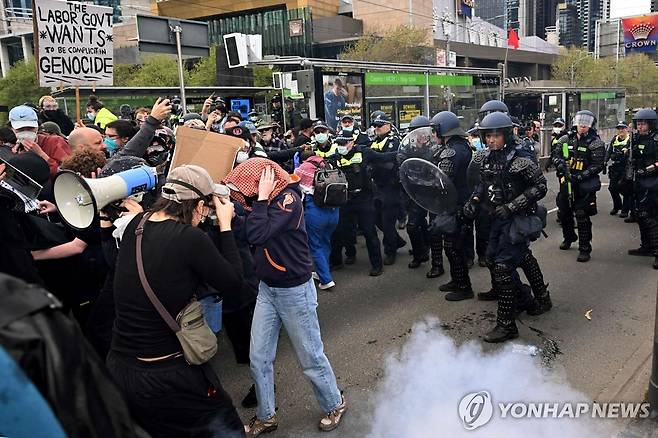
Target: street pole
column 177, row 30
column 283, row 102
column 427, row 94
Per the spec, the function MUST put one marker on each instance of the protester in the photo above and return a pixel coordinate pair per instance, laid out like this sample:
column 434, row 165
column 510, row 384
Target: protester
column 320, row 222
column 49, row 111
column 167, row 396
column 140, row 116
column 24, row 122
column 275, row 228
column 117, row 135
column 305, row 133
column 86, row 138
column 97, row 114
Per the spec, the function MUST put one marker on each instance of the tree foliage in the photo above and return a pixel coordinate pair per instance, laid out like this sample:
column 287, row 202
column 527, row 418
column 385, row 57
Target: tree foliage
column 21, row 85
column 402, row 44
column 204, row 72
column 637, row 73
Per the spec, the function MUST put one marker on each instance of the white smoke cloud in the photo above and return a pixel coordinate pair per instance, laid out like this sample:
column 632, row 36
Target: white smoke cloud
column 425, row 382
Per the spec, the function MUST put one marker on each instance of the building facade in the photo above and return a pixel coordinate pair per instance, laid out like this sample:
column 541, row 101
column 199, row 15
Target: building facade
column 568, row 25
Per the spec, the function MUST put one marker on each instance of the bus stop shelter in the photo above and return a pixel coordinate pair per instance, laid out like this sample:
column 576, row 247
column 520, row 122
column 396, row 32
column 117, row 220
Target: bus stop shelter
column 328, row 89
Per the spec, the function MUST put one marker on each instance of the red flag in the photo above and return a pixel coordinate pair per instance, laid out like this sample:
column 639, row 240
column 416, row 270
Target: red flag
column 513, row 39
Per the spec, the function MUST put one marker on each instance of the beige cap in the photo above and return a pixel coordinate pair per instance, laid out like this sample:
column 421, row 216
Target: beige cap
column 188, row 182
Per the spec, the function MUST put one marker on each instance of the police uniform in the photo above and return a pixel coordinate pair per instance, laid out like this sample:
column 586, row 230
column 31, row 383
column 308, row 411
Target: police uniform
column 616, row 172
column 645, row 166
column 578, row 162
column 359, row 210
column 387, row 200
column 510, row 187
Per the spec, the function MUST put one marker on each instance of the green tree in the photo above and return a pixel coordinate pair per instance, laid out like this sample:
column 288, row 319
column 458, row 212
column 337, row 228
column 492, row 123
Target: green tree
column 123, row 74
column 20, row 85
column 157, row 71
column 263, row 76
column 204, row 72
column 402, row 44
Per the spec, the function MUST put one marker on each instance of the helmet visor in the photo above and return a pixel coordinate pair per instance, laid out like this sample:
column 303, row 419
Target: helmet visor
column 583, row 120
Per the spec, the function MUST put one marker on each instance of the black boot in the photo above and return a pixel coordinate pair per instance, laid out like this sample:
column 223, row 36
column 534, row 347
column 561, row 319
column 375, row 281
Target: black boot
column 641, row 251
column 505, row 321
column 492, row 295
column 460, row 281
column 462, row 293
column 566, row 243
column 584, row 237
column 532, row 271
column 583, row 257
column 436, row 245
column 416, row 262
column 451, row 286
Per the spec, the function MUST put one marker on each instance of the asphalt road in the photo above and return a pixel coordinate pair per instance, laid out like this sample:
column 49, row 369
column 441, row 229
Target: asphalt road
column 364, row 320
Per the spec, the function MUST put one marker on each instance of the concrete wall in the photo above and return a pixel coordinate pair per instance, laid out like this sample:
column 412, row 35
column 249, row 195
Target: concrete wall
column 336, row 28
column 392, row 13
column 209, row 8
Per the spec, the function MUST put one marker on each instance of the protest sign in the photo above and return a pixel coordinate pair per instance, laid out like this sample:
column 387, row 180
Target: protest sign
column 214, row 152
column 74, row 43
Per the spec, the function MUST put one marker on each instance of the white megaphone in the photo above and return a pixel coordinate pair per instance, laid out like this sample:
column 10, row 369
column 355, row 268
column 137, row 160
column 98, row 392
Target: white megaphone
column 80, row 199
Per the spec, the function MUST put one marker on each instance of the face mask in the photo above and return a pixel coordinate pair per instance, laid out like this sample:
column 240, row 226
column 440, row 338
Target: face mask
column 321, row 137
column 111, row 145
column 342, row 150
column 253, row 118
column 242, row 157
column 26, row 135
column 557, row 130
column 476, row 143
column 91, row 116
column 348, row 131
column 50, row 113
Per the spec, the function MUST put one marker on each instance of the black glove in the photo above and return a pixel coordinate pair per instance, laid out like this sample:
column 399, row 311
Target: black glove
column 503, row 212
column 468, row 211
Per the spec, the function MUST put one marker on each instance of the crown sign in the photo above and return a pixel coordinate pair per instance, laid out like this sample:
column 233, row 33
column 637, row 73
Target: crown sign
column 641, row 31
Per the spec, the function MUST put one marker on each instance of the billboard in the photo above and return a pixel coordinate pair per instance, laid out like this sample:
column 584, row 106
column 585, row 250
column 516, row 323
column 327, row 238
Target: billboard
column 343, row 94
column 640, row 33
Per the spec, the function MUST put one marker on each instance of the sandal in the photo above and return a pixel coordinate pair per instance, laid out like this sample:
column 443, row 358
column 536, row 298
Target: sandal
column 256, row 426
column 332, row 420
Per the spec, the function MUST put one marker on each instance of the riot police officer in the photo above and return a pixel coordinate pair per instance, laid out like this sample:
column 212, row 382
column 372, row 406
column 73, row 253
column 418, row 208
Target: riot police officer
column 492, row 106
column 277, row 109
column 453, row 159
column 348, row 127
column 644, row 159
column 618, row 153
column 385, row 176
column 510, row 186
column 419, row 237
column 578, row 159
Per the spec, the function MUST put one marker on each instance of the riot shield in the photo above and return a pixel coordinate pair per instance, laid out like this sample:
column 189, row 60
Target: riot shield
column 419, row 143
column 428, row 186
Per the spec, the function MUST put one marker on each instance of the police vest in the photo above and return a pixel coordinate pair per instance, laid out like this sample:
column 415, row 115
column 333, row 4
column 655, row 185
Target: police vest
column 379, row 145
column 331, row 151
column 579, row 153
column 358, row 179
column 620, row 144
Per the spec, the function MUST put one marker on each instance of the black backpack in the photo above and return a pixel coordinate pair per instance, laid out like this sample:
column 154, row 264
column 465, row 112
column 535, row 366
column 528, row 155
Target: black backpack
column 329, row 186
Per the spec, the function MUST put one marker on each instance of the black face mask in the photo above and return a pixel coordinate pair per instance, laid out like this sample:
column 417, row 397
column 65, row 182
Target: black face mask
column 50, row 113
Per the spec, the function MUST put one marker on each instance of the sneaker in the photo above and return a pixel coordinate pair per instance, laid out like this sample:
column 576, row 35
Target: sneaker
column 583, row 257
column 326, row 286
column 376, row 271
column 315, row 276
column 501, row 334
column 332, row 420
column 256, row 426
column 350, row 260
column 465, row 293
column 250, row 400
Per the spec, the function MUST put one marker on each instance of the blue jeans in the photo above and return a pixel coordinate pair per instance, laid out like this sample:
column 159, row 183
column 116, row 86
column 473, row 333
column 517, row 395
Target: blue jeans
column 295, row 308
column 320, row 225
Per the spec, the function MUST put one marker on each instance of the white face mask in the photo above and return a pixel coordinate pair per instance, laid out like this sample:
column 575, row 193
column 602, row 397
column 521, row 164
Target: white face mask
column 26, row 135
column 342, row 150
column 242, row 157
column 557, row 130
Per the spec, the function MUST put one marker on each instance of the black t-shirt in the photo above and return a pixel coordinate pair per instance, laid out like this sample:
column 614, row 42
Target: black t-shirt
column 178, row 259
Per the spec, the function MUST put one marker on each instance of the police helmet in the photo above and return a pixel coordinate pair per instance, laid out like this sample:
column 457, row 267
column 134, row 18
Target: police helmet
column 419, row 122
column 585, row 118
column 646, row 115
column 492, row 106
column 497, row 122
column 446, row 124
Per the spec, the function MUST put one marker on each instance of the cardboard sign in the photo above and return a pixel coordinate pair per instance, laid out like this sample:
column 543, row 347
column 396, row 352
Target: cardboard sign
column 74, row 43
column 214, row 152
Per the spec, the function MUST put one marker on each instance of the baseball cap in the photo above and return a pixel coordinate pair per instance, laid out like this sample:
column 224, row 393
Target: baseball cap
column 381, row 119
column 188, row 182
column 249, row 127
column 23, row 116
column 347, row 117
column 51, row 128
